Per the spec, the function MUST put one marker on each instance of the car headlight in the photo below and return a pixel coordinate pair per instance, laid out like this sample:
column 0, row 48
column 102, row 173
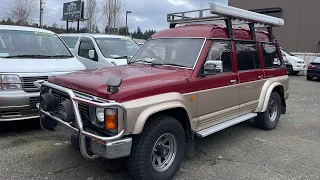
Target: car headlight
column 100, row 114
column 10, row 82
column 108, row 118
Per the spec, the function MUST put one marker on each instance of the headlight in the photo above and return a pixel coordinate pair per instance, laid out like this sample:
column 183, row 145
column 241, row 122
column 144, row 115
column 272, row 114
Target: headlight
column 100, row 115
column 10, row 82
column 107, row 118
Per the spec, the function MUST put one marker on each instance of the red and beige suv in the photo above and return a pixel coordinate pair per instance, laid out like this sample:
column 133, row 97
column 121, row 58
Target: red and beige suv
column 185, row 82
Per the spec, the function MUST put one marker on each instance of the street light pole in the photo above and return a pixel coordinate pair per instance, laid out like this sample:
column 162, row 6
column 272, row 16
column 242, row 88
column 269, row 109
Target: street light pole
column 127, row 12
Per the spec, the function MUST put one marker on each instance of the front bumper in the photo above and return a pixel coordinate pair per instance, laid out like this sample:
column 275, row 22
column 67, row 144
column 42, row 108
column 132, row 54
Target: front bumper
column 91, row 144
column 18, row 105
column 299, row 67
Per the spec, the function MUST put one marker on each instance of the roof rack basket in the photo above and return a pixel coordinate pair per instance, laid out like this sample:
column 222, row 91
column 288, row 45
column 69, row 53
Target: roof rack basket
column 230, row 15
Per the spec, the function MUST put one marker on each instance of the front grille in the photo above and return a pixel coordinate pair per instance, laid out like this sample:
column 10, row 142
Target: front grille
column 33, row 102
column 27, row 83
column 85, row 114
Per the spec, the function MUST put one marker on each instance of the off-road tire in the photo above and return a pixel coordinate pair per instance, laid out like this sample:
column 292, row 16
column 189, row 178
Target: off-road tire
column 263, row 119
column 140, row 164
column 309, row 78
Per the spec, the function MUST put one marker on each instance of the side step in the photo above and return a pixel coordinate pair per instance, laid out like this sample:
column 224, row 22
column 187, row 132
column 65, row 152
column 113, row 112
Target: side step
column 224, row 125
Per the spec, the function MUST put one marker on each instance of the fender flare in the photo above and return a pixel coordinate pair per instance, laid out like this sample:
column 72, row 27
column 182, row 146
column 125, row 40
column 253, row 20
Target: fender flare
column 145, row 114
column 262, row 107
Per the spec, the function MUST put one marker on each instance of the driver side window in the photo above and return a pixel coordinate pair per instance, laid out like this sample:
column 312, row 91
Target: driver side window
column 84, row 49
column 219, row 58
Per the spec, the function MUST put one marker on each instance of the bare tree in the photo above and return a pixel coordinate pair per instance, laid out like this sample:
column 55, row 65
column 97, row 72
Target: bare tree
column 91, row 13
column 22, row 10
column 112, row 14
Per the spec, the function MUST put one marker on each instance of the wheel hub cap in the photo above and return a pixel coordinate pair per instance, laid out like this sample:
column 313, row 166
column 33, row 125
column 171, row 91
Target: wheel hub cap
column 273, row 111
column 164, row 152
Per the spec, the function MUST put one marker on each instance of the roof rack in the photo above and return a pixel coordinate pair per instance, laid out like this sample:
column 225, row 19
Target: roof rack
column 230, row 15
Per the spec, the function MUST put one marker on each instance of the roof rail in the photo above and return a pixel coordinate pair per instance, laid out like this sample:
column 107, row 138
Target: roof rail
column 230, row 15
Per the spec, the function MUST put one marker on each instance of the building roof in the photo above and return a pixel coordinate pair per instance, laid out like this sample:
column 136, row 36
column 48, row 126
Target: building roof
column 23, row 28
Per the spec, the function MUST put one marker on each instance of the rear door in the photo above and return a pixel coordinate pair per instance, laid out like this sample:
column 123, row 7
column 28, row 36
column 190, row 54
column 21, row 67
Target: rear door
column 251, row 75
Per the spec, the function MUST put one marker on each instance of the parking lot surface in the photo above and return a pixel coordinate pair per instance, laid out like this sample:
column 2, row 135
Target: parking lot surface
column 292, row 151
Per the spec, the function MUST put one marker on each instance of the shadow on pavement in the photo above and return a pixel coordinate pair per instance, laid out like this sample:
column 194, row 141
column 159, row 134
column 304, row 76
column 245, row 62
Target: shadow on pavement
column 19, row 126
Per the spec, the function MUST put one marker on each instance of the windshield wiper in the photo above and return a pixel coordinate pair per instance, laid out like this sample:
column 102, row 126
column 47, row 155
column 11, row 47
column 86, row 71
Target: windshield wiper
column 121, row 57
column 171, row 64
column 28, row 56
column 61, row 56
column 141, row 60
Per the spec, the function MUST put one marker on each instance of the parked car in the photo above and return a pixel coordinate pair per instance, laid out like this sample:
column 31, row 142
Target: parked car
column 294, row 64
column 102, row 50
column 26, row 55
column 314, row 69
column 71, row 39
column 185, row 82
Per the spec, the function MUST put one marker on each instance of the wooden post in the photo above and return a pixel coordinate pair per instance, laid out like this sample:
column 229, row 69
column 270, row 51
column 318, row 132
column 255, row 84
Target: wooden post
column 67, row 26
column 78, row 26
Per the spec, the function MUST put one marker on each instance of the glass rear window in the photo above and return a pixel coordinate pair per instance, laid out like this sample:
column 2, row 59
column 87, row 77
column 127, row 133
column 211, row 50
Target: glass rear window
column 70, row 41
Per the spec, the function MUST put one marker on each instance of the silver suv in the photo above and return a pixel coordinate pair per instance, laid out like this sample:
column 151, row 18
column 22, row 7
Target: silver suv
column 26, row 55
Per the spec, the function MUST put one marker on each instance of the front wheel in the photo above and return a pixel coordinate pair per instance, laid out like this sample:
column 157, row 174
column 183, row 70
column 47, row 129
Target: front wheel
column 269, row 119
column 158, row 151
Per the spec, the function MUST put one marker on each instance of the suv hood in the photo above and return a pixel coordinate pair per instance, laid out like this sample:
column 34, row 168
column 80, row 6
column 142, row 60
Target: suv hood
column 39, row 65
column 137, row 81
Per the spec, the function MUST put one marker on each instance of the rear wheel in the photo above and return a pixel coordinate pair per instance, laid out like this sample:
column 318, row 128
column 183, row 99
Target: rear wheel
column 158, row 151
column 269, row 119
column 309, row 78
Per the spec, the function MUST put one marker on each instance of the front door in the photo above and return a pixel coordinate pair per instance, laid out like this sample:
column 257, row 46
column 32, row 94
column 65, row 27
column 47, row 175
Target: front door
column 219, row 101
column 251, row 76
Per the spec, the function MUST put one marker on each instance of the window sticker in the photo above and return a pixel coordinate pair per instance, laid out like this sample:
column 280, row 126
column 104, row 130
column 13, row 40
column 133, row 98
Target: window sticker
column 4, row 54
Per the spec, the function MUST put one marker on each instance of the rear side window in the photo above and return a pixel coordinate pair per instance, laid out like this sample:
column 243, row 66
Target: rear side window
column 271, row 56
column 247, row 56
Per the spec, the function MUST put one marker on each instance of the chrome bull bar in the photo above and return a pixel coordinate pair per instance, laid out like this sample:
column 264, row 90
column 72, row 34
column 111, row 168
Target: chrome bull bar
column 83, row 134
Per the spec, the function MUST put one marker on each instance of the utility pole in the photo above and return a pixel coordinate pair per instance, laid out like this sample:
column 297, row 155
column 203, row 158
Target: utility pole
column 41, row 13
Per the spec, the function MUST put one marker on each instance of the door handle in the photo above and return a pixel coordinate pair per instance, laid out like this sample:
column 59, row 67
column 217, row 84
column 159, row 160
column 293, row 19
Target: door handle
column 260, row 77
column 233, row 81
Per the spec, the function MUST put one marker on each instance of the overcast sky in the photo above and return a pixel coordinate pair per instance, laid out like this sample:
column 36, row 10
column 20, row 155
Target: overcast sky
column 148, row 14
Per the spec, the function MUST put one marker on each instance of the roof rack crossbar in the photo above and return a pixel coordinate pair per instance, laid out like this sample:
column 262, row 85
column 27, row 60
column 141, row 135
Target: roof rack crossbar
column 228, row 14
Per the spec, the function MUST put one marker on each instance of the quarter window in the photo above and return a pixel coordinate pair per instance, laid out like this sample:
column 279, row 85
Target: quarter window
column 247, row 56
column 219, row 58
column 271, row 56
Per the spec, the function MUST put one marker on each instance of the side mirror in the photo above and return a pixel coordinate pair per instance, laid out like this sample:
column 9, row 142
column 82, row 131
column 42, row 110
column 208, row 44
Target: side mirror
column 91, row 54
column 113, row 84
column 212, row 67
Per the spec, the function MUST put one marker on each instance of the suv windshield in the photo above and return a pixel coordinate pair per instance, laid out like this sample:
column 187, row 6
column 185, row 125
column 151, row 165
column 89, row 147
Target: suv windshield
column 176, row 51
column 24, row 44
column 70, row 40
column 117, row 47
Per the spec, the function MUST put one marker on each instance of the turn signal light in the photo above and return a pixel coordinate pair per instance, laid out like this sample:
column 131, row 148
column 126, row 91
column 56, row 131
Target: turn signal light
column 111, row 119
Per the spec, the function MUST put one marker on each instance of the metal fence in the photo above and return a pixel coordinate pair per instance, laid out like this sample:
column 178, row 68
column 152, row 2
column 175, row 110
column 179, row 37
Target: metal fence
column 308, row 57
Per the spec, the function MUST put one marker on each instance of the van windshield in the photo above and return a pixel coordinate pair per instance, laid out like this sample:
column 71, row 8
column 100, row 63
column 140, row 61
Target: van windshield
column 117, row 47
column 70, row 41
column 31, row 44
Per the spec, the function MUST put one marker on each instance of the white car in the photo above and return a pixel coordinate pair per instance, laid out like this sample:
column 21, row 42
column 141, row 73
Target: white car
column 71, row 39
column 102, row 50
column 294, row 64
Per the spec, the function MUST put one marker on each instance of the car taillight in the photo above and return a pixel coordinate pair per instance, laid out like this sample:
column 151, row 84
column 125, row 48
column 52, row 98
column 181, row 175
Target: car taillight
column 311, row 67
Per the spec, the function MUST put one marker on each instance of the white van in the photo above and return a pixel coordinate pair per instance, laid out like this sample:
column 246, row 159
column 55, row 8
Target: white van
column 26, row 55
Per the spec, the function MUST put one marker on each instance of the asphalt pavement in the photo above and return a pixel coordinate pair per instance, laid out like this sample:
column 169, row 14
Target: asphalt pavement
column 292, row 151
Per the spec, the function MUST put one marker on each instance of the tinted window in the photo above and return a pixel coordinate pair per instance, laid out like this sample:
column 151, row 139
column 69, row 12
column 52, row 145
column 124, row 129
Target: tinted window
column 247, row 56
column 220, row 55
column 271, row 56
column 84, row 49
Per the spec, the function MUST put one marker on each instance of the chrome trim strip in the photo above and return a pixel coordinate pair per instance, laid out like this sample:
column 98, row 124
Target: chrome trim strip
column 19, row 119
